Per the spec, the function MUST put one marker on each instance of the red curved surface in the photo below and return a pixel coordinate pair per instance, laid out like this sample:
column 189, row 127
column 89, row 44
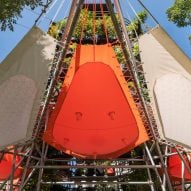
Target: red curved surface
column 110, row 171
column 6, row 167
column 95, row 117
column 175, row 168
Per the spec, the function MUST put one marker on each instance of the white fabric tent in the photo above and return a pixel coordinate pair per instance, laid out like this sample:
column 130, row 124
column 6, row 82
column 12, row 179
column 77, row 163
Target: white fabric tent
column 168, row 72
column 23, row 78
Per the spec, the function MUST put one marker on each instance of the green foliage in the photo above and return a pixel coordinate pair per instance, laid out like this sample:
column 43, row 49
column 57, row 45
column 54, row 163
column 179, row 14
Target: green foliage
column 56, row 27
column 136, row 50
column 119, row 54
column 11, row 11
column 61, row 24
column 53, row 30
column 110, row 27
column 180, row 13
column 86, row 20
column 135, row 26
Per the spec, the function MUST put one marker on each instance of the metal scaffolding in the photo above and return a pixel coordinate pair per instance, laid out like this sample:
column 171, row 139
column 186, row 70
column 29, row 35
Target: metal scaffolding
column 150, row 160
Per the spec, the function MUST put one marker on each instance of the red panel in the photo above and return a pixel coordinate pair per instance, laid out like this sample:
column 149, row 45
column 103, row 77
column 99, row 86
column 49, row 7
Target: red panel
column 110, row 171
column 6, row 166
column 175, row 168
column 95, row 117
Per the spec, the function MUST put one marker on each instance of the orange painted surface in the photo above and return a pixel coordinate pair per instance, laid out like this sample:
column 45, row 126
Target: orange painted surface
column 6, row 167
column 95, row 115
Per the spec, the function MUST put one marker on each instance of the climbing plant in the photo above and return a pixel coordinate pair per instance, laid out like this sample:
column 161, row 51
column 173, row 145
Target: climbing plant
column 135, row 27
column 86, row 20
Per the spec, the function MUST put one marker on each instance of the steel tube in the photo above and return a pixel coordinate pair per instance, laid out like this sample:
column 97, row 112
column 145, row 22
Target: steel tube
column 95, row 166
column 100, row 182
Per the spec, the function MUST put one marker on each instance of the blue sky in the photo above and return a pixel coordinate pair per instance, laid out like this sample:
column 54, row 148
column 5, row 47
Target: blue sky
column 8, row 39
column 179, row 35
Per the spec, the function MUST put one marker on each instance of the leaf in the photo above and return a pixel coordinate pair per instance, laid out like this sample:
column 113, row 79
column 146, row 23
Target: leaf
column 11, row 11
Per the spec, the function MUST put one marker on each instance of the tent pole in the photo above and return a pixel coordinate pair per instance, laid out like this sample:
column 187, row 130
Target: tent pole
column 13, row 168
column 163, row 165
column 69, row 20
column 43, row 155
column 183, row 160
column 129, row 58
column 68, row 34
column 135, row 77
column 153, row 163
column 148, row 171
column 59, row 62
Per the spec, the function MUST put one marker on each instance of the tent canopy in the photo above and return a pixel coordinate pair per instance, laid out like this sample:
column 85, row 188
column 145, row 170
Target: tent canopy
column 168, row 72
column 23, row 78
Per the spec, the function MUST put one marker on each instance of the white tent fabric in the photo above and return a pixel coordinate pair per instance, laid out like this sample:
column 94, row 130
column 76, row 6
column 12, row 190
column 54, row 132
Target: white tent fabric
column 23, row 78
column 168, row 72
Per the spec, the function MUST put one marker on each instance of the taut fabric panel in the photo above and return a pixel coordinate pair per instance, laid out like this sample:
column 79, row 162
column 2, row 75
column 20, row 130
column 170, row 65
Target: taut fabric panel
column 95, row 115
column 23, row 78
column 168, row 72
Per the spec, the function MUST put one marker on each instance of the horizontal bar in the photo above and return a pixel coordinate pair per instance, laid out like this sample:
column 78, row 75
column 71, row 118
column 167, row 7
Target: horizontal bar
column 95, row 166
column 93, row 160
column 99, row 182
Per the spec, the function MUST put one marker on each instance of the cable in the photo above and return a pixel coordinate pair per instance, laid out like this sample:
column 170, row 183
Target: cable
column 36, row 13
column 132, row 8
column 147, row 27
column 134, row 29
column 84, row 22
column 155, row 20
column 51, row 6
column 48, row 2
column 94, row 22
column 57, row 12
column 64, row 16
column 24, row 26
column 94, row 28
column 104, row 21
column 67, row 9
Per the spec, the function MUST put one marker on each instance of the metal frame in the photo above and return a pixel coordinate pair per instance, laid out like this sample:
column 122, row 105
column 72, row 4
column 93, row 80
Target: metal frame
column 154, row 154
